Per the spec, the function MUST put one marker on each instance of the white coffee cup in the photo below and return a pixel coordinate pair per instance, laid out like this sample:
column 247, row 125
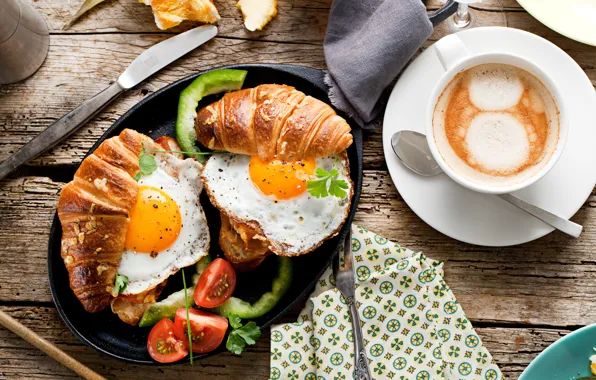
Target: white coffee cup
column 455, row 58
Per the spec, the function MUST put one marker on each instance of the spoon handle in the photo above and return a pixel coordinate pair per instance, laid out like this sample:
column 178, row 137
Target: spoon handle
column 561, row 224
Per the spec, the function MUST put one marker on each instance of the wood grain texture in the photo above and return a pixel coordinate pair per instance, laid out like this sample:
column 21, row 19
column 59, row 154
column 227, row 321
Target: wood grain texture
column 296, row 21
column 512, row 348
column 79, row 66
column 521, row 299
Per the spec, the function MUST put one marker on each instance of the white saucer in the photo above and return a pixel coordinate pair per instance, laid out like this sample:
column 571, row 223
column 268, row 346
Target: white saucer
column 485, row 219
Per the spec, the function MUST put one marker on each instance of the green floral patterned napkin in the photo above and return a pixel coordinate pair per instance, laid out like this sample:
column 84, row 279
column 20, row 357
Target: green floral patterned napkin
column 413, row 326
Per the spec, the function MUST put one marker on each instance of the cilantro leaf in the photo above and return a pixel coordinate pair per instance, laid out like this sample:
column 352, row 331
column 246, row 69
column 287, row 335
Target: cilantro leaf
column 147, row 164
column 318, row 188
column 249, row 332
column 321, row 173
column 240, row 336
column 337, row 188
column 120, row 284
column 235, row 343
column 235, row 321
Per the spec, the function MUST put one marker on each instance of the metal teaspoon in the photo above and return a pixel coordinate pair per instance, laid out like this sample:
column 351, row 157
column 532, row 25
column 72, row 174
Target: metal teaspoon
column 412, row 150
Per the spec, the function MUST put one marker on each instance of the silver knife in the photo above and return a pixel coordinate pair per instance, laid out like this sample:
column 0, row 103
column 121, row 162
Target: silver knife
column 148, row 63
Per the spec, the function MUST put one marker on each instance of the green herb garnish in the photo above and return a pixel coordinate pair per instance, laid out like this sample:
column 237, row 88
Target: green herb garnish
column 240, row 336
column 327, row 183
column 147, row 164
column 120, row 284
column 187, row 318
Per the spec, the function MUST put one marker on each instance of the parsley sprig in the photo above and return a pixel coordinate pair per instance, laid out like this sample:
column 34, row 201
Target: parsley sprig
column 241, row 335
column 120, row 284
column 148, row 164
column 327, row 183
column 186, row 305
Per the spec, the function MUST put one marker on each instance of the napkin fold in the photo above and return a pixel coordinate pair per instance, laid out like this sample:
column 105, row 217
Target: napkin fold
column 413, row 326
column 367, row 44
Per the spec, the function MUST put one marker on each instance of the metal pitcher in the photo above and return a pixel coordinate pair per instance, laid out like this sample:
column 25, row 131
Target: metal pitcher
column 24, row 40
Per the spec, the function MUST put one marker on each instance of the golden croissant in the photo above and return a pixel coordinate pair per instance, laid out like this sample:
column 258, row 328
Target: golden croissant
column 273, row 122
column 94, row 212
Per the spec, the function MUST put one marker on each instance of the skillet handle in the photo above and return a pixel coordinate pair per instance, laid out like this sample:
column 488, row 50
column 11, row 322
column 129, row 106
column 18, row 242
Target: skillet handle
column 441, row 14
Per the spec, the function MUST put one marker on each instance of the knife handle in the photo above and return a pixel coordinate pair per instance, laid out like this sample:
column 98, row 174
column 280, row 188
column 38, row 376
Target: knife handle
column 61, row 129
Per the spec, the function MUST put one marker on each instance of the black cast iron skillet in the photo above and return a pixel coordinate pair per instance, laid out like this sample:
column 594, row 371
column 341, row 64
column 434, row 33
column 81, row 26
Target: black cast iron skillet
column 155, row 116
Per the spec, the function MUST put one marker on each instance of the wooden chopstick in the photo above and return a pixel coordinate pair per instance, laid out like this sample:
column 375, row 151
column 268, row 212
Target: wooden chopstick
column 47, row 347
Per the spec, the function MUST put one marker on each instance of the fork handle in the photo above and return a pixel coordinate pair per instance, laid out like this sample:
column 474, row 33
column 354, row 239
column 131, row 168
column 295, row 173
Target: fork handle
column 361, row 369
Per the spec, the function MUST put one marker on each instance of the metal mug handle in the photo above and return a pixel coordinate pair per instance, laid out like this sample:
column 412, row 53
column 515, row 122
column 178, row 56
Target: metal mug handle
column 441, row 14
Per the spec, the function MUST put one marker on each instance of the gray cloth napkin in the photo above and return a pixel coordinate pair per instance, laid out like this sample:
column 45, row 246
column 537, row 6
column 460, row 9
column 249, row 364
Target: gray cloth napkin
column 368, row 43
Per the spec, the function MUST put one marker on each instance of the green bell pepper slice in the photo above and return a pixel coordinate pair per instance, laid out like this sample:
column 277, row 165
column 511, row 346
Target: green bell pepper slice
column 244, row 310
column 210, row 83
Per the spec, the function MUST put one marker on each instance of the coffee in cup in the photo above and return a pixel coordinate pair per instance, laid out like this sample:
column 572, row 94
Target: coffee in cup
column 496, row 124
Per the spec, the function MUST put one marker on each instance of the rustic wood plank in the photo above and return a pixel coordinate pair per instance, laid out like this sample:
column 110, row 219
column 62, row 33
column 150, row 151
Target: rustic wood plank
column 81, row 65
column 21, row 360
column 512, row 348
column 78, row 66
column 546, row 282
column 297, row 20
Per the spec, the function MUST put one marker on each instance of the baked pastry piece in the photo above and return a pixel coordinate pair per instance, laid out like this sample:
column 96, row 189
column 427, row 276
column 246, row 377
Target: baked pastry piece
column 169, row 13
column 130, row 309
column 94, row 209
column 257, row 13
column 274, row 122
column 242, row 246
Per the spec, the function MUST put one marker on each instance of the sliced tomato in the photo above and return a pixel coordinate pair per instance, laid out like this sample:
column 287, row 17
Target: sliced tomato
column 207, row 330
column 216, row 284
column 163, row 346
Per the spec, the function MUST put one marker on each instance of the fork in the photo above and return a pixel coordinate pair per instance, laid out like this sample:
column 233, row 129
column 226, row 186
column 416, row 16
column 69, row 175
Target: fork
column 345, row 282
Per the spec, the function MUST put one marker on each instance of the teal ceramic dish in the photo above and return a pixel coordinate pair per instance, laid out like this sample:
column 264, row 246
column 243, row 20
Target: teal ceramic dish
column 566, row 359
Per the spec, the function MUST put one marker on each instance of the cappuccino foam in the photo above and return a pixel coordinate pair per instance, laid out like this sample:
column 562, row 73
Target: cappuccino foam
column 496, row 124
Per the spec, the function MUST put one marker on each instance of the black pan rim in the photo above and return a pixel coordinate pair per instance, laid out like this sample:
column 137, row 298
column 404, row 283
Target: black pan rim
column 314, row 77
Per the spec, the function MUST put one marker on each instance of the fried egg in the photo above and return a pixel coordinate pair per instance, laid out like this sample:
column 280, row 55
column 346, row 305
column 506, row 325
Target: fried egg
column 272, row 197
column 167, row 228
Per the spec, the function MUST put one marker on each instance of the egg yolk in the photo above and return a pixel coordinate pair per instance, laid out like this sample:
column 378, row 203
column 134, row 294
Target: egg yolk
column 155, row 222
column 283, row 180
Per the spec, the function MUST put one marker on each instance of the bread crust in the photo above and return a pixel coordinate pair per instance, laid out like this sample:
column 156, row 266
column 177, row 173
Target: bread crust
column 94, row 211
column 242, row 246
column 274, row 122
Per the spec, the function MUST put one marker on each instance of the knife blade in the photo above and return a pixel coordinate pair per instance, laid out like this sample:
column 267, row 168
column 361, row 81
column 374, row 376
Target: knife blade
column 148, row 63
column 159, row 56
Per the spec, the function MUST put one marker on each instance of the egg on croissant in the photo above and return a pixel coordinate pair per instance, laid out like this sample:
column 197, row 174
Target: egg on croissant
column 277, row 137
column 272, row 198
column 167, row 228
column 113, row 225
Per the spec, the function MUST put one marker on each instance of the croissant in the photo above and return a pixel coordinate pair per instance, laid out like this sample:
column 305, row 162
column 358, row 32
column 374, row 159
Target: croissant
column 273, row 122
column 94, row 212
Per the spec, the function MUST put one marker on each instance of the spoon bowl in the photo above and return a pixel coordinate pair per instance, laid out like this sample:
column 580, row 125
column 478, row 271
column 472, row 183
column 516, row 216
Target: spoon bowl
column 412, row 149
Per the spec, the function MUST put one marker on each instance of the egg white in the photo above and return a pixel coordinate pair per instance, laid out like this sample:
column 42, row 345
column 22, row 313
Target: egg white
column 293, row 226
column 180, row 179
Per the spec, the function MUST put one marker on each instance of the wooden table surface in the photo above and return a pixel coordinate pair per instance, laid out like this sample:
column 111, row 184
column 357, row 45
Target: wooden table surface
column 520, row 299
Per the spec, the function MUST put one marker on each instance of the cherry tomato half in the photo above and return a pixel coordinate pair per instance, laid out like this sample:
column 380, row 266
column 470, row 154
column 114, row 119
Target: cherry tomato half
column 163, row 346
column 216, row 284
column 207, row 330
